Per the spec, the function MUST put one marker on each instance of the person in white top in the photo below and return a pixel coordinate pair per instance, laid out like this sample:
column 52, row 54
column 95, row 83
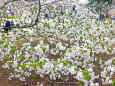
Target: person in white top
column 113, row 19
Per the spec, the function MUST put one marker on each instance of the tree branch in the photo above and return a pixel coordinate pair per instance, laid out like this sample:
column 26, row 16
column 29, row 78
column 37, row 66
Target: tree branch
column 7, row 3
column 36, row 20
column 30, row 25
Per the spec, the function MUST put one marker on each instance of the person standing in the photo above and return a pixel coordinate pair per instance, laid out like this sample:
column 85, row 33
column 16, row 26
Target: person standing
column 54, row 15
column 7, row 26
column 3, row 23
column 61, row 12
column 100, row 18
column 12, row 23
column 46, row 15
column 74, row 7
column 113, row 19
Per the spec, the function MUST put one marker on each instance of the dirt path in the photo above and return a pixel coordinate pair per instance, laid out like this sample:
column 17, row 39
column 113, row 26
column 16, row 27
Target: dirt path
column 4, row 82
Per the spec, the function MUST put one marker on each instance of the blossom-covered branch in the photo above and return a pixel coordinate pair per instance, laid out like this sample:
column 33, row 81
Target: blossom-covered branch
column 30, row 25
column 7, row 3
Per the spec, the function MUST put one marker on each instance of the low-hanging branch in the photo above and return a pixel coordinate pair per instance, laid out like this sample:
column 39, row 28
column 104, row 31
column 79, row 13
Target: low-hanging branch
column 30, row 25
column 7, row 3
column 36, row 20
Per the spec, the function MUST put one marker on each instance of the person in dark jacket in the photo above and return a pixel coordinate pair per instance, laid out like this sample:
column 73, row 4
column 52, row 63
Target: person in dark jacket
column 8, row 26
column 100, row 18
column 74, row 7
column 61, row 12
column 54, row 15
column 46, row 15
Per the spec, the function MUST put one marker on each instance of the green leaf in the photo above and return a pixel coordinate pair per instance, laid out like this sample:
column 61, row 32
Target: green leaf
column 54, row 50
column 113, row 82
column 65, row 63
column 113, row 62
column 10, row 63
column 87, row 28
column 16, row 72
column 6, row 45
column 76, row 69
column 22, row 75
column 14, row 48
column 55, row 59
column 22, row 56
column 86, row 74
column 112, row 32
column 100, row 36
column 109, row 50
column 44, row 49
column 98, row 29
column 103, row 62
column 81, row 83
column 80, row 32
column 102, row 44
column 34, row 76
column 91, row 53
column 1, row 41
column 23, row 66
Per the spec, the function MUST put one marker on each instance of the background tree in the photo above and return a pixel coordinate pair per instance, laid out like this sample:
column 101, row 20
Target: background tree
column 100, row 5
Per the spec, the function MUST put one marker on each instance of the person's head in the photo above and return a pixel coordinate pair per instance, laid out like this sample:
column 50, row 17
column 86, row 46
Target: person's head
column 8, row 21
column 60, row 8
column 11, row 20
column 74, row 6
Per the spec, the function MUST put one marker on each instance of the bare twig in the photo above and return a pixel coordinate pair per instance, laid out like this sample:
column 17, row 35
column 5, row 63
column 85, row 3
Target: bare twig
column 7, row 3
column 51, row 82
